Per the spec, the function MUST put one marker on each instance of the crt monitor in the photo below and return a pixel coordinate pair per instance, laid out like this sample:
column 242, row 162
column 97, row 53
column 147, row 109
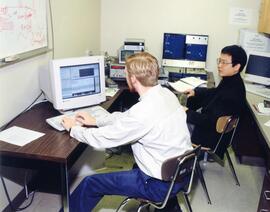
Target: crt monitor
column 74, row 82
column 174, row 46
column 258, row 68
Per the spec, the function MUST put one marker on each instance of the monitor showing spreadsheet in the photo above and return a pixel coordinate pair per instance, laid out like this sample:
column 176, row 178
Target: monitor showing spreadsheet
column 75, row 82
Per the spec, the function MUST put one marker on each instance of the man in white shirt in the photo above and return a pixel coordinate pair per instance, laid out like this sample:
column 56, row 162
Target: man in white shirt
column 155, row 127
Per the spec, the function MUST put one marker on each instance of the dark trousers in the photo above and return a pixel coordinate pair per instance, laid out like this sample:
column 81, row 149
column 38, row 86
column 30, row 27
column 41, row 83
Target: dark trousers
column 132, row 183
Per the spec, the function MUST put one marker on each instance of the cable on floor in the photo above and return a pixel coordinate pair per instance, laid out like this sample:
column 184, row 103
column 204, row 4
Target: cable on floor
column 25, row 184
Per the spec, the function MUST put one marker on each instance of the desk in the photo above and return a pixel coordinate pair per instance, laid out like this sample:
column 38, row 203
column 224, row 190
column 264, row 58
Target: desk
column 264, row 140
column 260, row 119
column 254, row 140
column 56, row 151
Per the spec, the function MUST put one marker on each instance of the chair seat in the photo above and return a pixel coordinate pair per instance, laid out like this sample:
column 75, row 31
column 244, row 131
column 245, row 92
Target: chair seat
column 173, row 170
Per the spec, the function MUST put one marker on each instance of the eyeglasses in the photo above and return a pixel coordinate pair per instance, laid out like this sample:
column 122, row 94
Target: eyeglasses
column 222, row 62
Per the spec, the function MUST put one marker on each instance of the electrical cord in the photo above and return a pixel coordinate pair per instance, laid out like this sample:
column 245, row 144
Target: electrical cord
column 2, row 179
column 9, row 201
column 52, row 30
column 27, row 108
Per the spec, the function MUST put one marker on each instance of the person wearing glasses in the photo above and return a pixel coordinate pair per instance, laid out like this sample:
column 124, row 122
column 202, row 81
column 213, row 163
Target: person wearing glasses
column 228, row 98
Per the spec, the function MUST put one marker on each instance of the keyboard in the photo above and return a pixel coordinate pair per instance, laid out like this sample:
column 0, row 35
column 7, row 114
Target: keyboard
column 95, row 111
column 259, row 90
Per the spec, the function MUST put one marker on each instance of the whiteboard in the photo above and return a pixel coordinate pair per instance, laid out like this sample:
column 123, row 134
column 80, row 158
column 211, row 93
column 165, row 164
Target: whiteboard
column 23, row 26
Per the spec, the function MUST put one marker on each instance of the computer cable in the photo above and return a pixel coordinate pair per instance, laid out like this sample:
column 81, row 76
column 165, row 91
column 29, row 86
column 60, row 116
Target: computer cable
column 27, row 108
column 52, row 31
column 9, row 200
column 25, row 184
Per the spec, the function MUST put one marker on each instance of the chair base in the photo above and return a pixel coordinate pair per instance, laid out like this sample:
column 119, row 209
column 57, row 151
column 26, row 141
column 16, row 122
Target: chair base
column 201, row 178
column 232, row 168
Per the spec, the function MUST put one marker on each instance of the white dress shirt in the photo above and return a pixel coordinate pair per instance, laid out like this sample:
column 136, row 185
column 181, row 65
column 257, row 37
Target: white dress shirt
column 155, row 127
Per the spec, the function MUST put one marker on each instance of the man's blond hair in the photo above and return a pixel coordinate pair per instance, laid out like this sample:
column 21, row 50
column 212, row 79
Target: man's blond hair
column 144, row 67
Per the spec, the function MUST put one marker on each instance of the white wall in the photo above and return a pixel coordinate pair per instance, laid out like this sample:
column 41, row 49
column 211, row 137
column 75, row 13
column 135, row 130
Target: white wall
column 76, row 28
column 149, row 19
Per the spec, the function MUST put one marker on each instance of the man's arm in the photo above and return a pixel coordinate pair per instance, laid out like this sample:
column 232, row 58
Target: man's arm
column 126, row 129
column 200, row 100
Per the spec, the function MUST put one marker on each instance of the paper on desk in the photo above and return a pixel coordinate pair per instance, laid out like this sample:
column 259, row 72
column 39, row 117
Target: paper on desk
column 194, row 81
column 187, row 83
column 180, row 86
column 19, row 136
column 111, row 91
column 267, row 123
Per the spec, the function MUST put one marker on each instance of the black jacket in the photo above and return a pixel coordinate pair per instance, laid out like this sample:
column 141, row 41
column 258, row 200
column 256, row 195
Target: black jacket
column 229, row 98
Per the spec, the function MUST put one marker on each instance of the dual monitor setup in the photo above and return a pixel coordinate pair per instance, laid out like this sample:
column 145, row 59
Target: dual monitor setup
column 184, row 55
column 80, row 82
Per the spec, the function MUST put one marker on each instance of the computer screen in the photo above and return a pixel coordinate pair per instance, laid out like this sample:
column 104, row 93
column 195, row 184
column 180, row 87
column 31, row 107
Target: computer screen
column 258, row 68
column 75, row 82
column 174, row 46
column 184, row 50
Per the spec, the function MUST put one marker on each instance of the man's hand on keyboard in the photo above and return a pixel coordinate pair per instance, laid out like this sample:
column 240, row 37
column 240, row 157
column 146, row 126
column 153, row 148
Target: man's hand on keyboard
column 68, row 122
column 85, row 119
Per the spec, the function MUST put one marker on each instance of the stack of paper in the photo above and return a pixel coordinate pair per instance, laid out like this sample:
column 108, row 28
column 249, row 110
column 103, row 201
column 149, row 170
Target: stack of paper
column 187, row 83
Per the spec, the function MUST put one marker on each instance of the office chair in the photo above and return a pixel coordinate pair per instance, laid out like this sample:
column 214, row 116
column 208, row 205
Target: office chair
column 173, row 170
column 224, row 126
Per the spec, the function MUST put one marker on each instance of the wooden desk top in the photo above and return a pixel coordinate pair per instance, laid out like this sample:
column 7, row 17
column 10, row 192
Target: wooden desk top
column 54, row 146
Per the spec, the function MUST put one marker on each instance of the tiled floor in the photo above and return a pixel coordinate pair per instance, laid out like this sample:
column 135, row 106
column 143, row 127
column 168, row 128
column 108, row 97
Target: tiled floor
column 226, row 196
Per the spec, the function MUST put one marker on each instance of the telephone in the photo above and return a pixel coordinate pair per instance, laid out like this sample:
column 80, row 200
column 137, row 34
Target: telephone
column 110, row 83
column 266, row 103
column 264, row 108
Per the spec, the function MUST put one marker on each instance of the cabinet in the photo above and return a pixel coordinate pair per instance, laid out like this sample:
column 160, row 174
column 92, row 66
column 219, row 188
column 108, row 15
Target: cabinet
column 264, row 17
column 264, row 202
column 248, row 140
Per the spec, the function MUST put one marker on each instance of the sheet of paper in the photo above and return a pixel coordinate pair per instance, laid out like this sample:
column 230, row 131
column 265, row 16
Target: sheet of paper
column 267, row 123
column 251, row 40
column 240, row 16
column 180, row 86
column 19, row 136
column 193, row 81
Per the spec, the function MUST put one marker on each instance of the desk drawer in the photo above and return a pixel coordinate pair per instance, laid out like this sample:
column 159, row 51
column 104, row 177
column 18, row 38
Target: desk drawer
column 248, row 139
column 264, row 202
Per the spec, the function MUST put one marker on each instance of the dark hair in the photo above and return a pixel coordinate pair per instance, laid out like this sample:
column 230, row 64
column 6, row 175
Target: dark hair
column 238, row 54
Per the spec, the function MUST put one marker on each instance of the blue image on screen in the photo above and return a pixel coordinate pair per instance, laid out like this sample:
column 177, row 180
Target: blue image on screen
column 174, row 46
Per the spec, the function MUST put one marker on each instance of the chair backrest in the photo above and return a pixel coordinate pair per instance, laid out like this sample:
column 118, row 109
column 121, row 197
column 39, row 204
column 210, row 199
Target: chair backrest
column 226, row 124
column 177, row 168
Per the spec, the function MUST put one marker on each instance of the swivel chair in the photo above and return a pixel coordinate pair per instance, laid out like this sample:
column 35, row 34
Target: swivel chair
column 173, row 170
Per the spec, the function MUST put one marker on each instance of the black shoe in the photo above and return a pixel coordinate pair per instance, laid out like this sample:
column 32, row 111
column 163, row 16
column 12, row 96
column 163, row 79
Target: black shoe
column 172, row 206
